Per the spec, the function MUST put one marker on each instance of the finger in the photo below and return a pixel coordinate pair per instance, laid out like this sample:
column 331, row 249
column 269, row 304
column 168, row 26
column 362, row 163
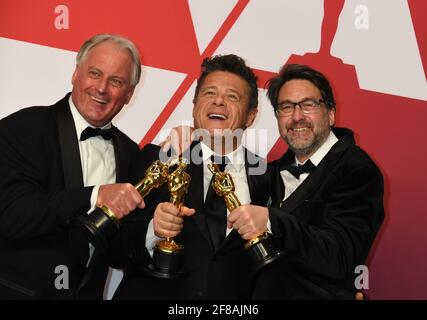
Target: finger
column 176, row 147
column 249, row 235
column 236, row 221
column 229, row 225
column 117, row 211
column 165, row 233
column 359, row 296
column 185, row 211
column 141, row 205
column 170, row 226
column 169, row 208
column 118, row 214
column 165, row 146
column 244, row 230
column 137, row 199
column 233, row 216
column 186, row 142
column 170, row 218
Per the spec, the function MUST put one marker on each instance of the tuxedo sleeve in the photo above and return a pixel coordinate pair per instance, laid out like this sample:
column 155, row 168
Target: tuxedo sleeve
column 342, row 229
column 33, row 200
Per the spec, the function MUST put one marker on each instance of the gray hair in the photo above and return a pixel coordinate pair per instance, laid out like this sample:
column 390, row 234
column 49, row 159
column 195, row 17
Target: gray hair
column 122, row 42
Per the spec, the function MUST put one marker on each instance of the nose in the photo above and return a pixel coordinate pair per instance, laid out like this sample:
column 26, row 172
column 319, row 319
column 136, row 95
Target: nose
column 102, row 85
column 219, row 100
column 297, row 114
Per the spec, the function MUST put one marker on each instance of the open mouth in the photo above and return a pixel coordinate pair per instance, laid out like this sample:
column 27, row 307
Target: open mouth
column 217, row 116
column 298, row 129
column 98, row 100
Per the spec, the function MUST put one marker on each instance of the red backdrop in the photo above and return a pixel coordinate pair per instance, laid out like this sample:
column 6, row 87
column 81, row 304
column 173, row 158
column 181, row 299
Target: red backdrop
column 174, row 36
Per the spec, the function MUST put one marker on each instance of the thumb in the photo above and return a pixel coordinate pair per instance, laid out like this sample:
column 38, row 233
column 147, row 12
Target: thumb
column 185, row 211
column 141, row 205
column 229, row 225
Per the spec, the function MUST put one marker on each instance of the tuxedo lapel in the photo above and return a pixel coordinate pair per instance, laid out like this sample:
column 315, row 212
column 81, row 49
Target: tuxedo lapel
column 195, row 196
column 278, row 189
column 231, row 241
column 68, row 145
column 320, row 174
column 73, row 178
column 305, row 189
column 122, row 157
column 257, row 177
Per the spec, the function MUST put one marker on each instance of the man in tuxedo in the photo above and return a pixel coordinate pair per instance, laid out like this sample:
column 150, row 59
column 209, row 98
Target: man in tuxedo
column 327, row 195
column 215, row 265
column 61, row 161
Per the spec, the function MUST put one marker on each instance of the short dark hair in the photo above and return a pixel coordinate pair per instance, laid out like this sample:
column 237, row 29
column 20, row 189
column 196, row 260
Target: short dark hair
column 300, row 71
column 233, row 64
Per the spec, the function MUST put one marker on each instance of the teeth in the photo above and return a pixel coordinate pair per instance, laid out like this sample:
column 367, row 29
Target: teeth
column 217, row 115
column 299, row 129
column 98, row 100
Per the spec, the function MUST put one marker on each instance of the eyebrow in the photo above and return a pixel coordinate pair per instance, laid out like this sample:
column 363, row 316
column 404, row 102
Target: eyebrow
column 303, row 99
column 210, row 87
column 227, row 90
column 110, row 77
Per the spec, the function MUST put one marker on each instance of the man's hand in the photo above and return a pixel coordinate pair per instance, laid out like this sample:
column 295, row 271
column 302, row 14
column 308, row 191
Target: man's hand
column 168, row 221
column 179, row 139
column 249, row 220
column 120, row 198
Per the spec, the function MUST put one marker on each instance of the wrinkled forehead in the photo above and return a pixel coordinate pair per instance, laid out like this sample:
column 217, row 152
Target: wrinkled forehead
column 297, row 90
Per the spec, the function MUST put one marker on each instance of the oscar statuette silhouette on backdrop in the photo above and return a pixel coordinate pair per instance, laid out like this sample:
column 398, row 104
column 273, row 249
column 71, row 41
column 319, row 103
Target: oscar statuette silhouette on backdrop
column 261, row 249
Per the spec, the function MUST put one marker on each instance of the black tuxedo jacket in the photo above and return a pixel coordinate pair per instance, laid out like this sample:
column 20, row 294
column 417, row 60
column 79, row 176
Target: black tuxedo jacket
column 41, row 190
column 224, row 273
column 326, row 226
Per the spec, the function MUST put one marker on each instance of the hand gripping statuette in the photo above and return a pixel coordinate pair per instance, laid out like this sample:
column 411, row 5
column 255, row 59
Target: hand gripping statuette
column 102, row 224
column 168, row 254
column 261, row 249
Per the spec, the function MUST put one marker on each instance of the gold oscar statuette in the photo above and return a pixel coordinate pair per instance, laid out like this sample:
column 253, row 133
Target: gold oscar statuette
column 156, row 174
column 168, row 254
column 102, row 224
column 261, row 248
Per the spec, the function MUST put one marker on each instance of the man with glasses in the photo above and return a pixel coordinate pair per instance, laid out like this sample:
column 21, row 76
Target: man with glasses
column 327, row 195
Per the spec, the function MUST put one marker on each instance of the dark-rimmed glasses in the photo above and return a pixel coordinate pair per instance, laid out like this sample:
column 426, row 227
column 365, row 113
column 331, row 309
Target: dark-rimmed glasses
column 307, row 106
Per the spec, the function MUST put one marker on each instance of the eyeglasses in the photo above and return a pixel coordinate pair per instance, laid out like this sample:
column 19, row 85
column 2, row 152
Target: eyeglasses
column 307, row 106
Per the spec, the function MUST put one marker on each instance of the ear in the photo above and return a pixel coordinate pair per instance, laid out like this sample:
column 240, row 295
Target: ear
column 251, row 117
column 74, row 77
column 129, row 95
column 194, row 107
column 331, row 116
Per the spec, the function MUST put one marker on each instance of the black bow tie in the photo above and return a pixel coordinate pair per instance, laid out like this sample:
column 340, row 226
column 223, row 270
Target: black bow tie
column 220, row 161
column 107, row 134
column 297, row 170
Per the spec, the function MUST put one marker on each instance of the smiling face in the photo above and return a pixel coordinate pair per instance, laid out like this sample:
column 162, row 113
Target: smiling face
column 102, row 83
column 222, row 103
column 304, row 133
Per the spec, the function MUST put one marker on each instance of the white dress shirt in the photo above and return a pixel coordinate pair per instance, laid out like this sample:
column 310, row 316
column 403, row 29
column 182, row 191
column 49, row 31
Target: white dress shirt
column 236, row 168
column 290, row 181
column 97, row 159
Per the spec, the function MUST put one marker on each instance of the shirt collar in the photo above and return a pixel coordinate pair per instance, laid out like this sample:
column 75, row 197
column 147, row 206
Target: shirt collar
column 80, row 122
column 236, row 157
column 322, row 151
